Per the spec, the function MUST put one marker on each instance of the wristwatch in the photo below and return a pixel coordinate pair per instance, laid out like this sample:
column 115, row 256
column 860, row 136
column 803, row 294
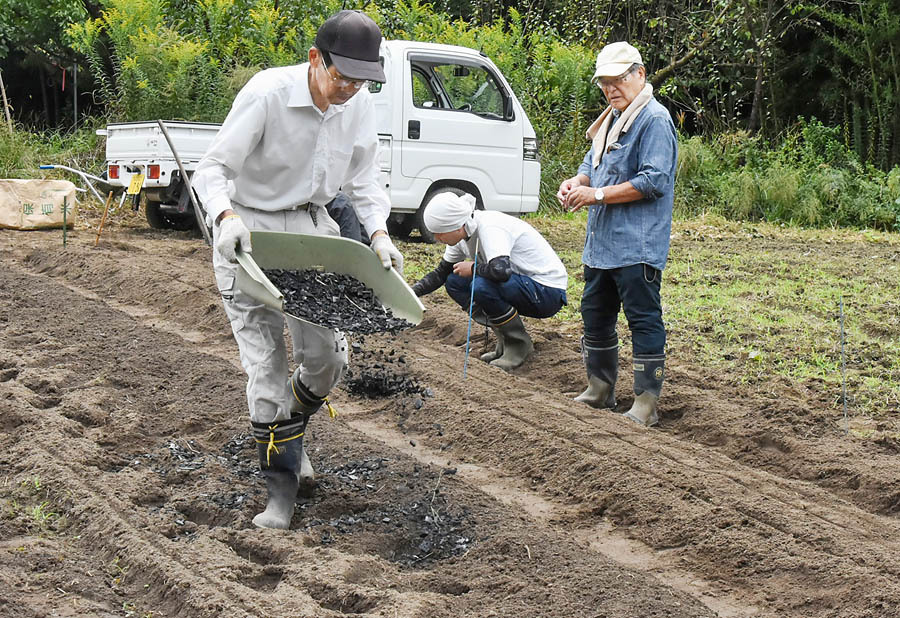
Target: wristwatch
column 598, row 195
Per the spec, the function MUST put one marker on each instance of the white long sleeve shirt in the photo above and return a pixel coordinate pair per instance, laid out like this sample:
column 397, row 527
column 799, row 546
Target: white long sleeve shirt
column 277, row 150
column 496, row 233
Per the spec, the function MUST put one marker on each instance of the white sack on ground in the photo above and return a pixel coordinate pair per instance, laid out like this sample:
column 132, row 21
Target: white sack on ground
column 36, row 204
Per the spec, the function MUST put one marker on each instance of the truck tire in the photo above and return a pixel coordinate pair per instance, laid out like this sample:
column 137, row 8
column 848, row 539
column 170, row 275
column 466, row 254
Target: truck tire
column 399, row 226
column 161, row 220
column 424, row 232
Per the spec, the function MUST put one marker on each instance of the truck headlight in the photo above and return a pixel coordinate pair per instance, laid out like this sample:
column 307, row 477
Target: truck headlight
column 530, row 149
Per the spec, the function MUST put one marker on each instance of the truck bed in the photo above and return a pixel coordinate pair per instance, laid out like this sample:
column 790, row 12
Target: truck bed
column 128, row 142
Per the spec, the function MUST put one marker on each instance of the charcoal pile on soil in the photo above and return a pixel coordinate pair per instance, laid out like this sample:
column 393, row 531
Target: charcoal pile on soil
column 380, row 374
column 416, row 528
column 334, row 300
column 239, row 453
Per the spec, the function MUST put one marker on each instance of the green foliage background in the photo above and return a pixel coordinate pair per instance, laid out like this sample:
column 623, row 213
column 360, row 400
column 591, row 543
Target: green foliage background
column 731, row 71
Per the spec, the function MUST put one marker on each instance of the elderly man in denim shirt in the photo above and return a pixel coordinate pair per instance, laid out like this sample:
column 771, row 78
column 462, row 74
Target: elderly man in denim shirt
column 627, row 181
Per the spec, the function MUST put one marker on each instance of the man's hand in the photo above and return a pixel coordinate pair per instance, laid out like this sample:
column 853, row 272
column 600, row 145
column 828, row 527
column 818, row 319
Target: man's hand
column 464, row 269
column 387, row 252
column 580, row 197
column 232, row 234
column 565, row 187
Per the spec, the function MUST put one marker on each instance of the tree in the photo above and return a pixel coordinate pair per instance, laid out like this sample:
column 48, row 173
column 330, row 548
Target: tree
column 33, row 43
column 865, row 38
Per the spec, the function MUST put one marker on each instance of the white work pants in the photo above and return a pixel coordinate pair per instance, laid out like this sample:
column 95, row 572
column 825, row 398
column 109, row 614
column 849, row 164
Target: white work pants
column 321, row 353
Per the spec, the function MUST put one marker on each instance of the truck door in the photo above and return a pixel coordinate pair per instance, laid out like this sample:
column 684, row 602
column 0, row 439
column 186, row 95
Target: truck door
column 459, row 123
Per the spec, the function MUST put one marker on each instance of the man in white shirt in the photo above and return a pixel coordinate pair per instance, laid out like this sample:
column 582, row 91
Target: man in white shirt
column 513, row 269
column 294, row 136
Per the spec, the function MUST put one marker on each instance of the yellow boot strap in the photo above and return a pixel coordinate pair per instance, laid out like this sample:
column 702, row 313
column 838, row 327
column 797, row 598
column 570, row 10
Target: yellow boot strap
column 331, row 411
column 272, row 442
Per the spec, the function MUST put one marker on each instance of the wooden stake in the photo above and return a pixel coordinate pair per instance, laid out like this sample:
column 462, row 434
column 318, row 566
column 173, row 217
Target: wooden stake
column 6, row 105
column 103, row 218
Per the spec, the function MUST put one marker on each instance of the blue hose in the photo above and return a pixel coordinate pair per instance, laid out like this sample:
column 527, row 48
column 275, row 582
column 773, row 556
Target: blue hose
column 471, row 304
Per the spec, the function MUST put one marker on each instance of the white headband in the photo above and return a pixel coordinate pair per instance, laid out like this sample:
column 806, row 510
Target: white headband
column 447, row 212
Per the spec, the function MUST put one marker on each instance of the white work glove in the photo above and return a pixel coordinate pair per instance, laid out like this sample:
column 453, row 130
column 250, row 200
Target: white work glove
column 387, row 252
column 232, row 234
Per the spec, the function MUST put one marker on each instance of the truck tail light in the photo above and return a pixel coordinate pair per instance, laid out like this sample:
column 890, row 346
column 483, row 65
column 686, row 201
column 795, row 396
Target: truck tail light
column 113, row 172
column 530, row 149
column 153, row 171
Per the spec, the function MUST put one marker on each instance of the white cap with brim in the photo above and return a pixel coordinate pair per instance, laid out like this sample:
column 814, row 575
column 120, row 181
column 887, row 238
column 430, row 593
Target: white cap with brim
column 447, row 212
column 615, row 59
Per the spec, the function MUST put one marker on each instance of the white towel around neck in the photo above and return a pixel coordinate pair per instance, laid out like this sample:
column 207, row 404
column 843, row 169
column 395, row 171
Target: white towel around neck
column 599, row 131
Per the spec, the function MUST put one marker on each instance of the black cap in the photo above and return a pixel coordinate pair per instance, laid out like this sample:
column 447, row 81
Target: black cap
column 352, row 40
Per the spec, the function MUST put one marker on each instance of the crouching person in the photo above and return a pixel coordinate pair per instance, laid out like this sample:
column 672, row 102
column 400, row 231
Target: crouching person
column 513, row 269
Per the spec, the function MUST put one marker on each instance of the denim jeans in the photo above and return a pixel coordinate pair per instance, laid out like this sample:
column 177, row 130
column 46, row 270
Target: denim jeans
column 529, row 297
column 341, row 210
column 635, row 288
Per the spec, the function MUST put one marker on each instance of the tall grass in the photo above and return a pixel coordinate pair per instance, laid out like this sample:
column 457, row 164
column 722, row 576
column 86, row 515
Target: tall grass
column 809, row 179
column 22, row 152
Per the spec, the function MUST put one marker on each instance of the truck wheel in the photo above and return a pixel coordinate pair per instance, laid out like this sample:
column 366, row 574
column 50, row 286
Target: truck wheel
column 161, row 220
column 402, row 227
column 426, row 235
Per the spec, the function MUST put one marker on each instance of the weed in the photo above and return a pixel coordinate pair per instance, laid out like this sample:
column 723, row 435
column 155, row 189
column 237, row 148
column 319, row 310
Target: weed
column 118, row 571
column 42, row 515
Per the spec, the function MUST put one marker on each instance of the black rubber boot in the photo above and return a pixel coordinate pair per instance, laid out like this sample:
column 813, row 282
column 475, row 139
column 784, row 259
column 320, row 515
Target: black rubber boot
column 649, row 373
column 304, row 403
column 517, row 345
column 280, row 448
column 601, row 361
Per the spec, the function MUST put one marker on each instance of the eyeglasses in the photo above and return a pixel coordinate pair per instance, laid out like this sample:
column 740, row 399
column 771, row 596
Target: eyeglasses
column 615, row 82
column 343, row 82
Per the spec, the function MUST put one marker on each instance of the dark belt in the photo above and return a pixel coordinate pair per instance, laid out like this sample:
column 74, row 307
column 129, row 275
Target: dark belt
column 312, row 209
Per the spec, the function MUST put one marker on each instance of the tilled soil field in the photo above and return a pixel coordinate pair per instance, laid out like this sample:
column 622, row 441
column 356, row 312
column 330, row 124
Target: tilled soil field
column 129, row 479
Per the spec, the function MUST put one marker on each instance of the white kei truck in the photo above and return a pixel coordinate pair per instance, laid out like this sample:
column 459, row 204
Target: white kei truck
column 447, row 119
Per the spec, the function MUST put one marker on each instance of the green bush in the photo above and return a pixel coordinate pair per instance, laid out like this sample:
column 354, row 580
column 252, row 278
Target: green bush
column 810, row 178
column 183, row 62
column 188, row 59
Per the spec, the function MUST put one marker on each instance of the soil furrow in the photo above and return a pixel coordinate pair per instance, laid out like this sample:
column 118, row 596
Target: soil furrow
column 787, row 528
column 121, row 358
column 142, row 447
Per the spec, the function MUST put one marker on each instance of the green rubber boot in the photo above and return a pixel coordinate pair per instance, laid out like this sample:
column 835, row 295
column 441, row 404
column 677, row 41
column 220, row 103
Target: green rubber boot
column 602, row 364
column 304, row 403
column 649, row 373
column 497, row 351
column 517, row 345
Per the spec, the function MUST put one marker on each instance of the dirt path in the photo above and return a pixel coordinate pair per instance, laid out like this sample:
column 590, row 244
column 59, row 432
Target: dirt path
column 129, row 481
